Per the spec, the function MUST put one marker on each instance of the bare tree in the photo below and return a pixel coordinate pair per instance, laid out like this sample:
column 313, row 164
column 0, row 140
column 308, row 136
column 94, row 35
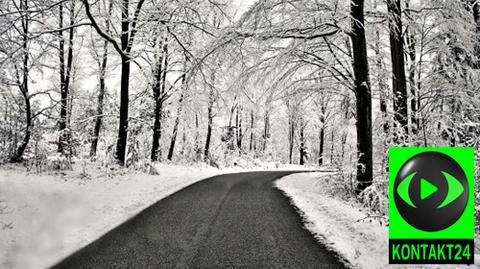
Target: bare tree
column 183, row 92
column 400, row 107
column 124, row 49
column 411, row 43
column 22, row 80
column 212, row 98
column 102, row 87
column 65, row 74
column 159, row 96
column 363, row 97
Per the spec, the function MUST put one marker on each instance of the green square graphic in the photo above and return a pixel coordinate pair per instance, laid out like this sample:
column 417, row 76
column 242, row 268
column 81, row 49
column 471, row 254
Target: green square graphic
column 431, row 198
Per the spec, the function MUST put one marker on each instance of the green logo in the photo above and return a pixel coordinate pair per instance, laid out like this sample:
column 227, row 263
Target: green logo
column 431, row 205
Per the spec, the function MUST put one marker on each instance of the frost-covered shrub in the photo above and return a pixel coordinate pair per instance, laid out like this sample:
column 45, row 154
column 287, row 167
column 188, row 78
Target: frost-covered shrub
column 374, row 198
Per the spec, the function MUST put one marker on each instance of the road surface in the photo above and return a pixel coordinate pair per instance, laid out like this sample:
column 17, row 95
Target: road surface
column 227, row 221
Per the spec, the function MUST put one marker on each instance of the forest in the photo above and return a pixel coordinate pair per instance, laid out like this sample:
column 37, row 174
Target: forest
column 310, row 82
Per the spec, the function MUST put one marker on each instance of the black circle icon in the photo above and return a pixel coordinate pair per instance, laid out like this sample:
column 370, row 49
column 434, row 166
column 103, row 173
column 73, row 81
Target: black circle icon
column 426, row 211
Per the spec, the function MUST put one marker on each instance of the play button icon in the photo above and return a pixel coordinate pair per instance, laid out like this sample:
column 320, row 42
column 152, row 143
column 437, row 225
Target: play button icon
column 426, row 189
column 431, row 191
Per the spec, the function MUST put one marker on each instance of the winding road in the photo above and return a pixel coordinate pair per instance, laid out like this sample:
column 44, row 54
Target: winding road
column 228, row 221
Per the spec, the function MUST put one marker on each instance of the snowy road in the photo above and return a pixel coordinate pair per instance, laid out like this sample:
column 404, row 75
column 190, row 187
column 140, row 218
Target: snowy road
column 228, row 221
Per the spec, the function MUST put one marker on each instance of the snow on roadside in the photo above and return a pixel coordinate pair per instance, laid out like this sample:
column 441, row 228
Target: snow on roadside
column 334, row 222
column 47, row 217
column 344, row 227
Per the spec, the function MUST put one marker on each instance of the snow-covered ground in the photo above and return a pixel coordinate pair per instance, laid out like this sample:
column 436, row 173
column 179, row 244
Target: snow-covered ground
column 345, row 227
column 47, row 217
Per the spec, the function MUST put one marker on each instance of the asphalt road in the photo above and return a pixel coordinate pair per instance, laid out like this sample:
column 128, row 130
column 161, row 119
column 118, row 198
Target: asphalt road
column 228, row 221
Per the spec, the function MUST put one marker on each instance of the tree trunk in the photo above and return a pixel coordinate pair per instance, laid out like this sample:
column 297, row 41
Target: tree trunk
column 157, row 126
column 209, row 134
column 238, row 123
column 62, row 124
column 211, row 102
column 123, row 121
column 291, row 138
column 179, row 111
column 322, row 105
column 127, row 38
column 302, row 144
column 158, row 92
column 266, row 130
column 184, row 141
column 197, row 146
column 346, row 117
column 414, row 100
column 398, row 66
column 65, row 75
column 476, row 13
column 382, row 84
column 363, row 97
column 23, row 85
column 68, row 71
column 28, row 116
column 321, row 141
column 124, row 86
column 332, row 147
column 101, row 93
column 100, row 100
column 414, row 104
column 252, row 133
column 207, row 140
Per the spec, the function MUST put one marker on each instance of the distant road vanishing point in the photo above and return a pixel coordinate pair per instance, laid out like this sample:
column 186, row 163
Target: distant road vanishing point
column 227, row 221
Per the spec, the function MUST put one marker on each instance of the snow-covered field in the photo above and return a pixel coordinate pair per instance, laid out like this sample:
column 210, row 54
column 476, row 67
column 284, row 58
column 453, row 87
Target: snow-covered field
column 343, row 226
column 47, row 217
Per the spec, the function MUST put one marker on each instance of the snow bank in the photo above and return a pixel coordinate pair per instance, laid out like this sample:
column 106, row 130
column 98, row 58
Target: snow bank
column 343, row 226
column 47, row 217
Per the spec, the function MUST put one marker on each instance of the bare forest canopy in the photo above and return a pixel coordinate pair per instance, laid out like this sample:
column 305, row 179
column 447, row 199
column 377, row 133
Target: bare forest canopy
column 310, row 82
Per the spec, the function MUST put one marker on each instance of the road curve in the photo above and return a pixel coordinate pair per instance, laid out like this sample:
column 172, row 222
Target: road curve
column 227, row 221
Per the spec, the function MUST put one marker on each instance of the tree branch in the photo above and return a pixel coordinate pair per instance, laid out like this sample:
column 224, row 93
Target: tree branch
column 295, row 33
column 37, row 34
column 134, row 25
column 100, row 32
